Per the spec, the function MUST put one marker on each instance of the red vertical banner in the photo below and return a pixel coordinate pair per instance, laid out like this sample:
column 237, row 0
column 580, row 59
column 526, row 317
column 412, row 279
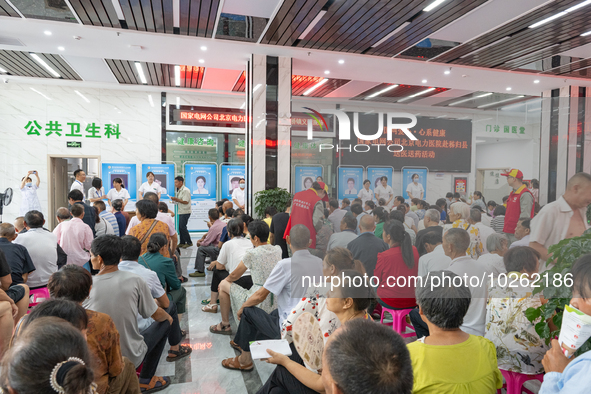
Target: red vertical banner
column 461, row 186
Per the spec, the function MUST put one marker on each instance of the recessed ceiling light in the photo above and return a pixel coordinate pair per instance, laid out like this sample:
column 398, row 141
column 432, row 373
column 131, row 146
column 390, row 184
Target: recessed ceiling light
column 433, row 5
column 341, row 61
column 201, row 61
column 327, row 72
column 447, row 72
column 424, row 81
column 537, row 81
column 47, row 32
column 61, row 48
column 204, row 48
column 508, row 88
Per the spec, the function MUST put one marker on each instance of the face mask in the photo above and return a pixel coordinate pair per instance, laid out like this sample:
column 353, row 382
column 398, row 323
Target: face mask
column 28, row 184
column 242, row 185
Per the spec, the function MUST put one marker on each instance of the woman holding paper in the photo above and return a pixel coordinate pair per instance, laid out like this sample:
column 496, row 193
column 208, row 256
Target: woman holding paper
column 564, row 375
column 519, row 348
column 347, row 303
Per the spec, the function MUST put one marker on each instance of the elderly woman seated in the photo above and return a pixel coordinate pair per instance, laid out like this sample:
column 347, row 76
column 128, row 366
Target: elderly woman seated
column 459, row 213
column 519, row 348
column 450, row 360
column 497, row 245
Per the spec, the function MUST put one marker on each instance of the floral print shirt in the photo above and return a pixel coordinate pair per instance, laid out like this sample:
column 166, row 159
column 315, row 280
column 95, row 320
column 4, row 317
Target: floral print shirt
column 519, row 348
column 475, row 250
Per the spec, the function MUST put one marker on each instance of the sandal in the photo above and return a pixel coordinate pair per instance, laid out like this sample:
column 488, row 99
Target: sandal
column 152, row 387
column 183, row 334
column 184, row 351
column 225, row 330
column 208, row 301
column 210, row 308
column 235, row 346
column 233, row 363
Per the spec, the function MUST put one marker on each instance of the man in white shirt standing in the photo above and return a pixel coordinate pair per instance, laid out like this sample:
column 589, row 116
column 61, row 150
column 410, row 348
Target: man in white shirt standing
column 238, row 195
column 384, row 191
column 183, row 202
column 78, row 184
column 563, row 218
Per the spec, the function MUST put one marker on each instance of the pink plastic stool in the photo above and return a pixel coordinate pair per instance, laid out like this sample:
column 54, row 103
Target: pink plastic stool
column 515, row 381
column 37, row 296
column 399, row 323
column 139, row 369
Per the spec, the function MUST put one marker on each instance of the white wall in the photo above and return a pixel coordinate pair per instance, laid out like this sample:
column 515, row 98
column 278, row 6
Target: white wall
column 518, row 154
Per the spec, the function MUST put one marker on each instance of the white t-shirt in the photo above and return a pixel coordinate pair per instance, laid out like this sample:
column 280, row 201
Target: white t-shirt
column 232, row 252
column 385, row 193
column 434, row 261
column 365, row 195
column 122, row 194
column 492, row 262
column 30, row 199
column 146, row 187
column 93, row 193
column 77, row 185
column 415, row 190
column 238, row 194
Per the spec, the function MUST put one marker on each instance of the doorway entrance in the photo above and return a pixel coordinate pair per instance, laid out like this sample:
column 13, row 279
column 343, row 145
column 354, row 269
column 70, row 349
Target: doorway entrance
column 493, row 186
column 61, row 177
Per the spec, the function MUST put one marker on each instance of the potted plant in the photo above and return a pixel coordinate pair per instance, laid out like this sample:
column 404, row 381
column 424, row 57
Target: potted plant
column 277, row 198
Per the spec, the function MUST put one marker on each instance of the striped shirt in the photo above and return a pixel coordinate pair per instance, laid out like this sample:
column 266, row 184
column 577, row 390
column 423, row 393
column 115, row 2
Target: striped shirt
column 109, row 217
column 498, row 223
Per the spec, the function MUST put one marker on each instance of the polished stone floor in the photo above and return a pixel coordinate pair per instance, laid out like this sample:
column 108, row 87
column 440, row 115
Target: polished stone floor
column 202, row 371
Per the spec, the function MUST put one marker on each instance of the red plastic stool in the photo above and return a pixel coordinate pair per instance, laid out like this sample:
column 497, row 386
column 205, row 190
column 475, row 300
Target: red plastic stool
column 399, row 323
column 37, row 296
column 515, row 380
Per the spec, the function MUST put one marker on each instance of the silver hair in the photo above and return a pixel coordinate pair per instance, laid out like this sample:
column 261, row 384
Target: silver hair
column 433, row 215
column 461, row 208
column 494, row 242
column 475, row 215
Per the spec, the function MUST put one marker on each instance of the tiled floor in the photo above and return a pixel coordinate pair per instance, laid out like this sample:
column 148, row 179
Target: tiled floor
column 202, row 372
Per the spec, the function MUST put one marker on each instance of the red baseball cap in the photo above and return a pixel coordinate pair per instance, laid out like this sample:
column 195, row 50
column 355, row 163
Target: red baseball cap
column 323, row 185
column 515, row 173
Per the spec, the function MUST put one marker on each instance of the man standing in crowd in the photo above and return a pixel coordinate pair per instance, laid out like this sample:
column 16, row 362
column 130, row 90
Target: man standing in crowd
column 75, row 197
column 367, row 246
column 17, row 256
column 238, row 195
column 42, row 247
column 384, row 191
column 431, row 222
column 520, row 204
column 563, row 218
column 336, row 214
column 183, row 202
column 307, row 208
column 78, row 184
column 75, row 237
column 277, row 230
column 208, row 245
column 521, row 233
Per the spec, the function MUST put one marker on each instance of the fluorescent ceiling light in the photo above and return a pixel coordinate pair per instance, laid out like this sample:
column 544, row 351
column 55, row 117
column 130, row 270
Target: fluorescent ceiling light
column 45, row 65
column 560, row 14
column 383, row 40
column 150, row 100
column 469, row 99
column 177, row 75
column 433, row 5
column 118, row 10
column 307, row 92
column 484, row 47
column 3, row 70
column 499, row 102
column 585, row 34
column 311, row 25
column 140, row 71
column 38, row 92
column 417, row 94
column 81, row 95
column 381, row 91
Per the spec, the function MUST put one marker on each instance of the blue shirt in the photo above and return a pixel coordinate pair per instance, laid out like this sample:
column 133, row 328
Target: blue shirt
column 575, row 379
column 224, row 237
column 121, row 223
column 443, row 216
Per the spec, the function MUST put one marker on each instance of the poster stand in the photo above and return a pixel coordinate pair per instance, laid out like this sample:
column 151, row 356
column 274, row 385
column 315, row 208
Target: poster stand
column 345, row 173
column 227, row 182
column 200, row 205
column 309, row 169
column 375, row 173
column 407, row 172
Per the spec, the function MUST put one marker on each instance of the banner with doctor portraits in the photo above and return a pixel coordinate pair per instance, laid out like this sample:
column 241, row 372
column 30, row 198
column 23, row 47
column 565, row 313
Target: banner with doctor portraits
column 201, row 179
column 230, row 180
column 414, row 183
column 350, row 182
column 305, row 176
